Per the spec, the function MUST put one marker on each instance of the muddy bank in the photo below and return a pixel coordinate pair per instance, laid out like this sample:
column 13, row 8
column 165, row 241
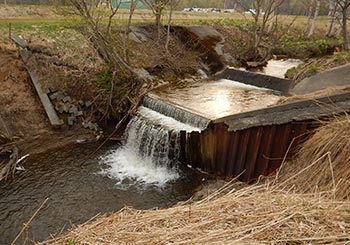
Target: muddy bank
column 21, row 114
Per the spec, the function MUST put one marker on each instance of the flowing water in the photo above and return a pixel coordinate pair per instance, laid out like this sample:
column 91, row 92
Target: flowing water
column 278, row 68
column 200, row 102
column 138, row 173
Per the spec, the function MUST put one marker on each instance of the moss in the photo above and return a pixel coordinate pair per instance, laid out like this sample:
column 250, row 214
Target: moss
column 103, row 81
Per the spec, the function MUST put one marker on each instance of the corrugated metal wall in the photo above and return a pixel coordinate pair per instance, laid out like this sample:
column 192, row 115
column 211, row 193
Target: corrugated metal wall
column 247, row 153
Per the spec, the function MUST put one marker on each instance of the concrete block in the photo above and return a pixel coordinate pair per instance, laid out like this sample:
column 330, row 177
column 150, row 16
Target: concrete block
column 19, row 41
column 73, row 109
column 54, row 96
column 71, row 120
column 88, row 104
column 78, row 114
column 67, row 99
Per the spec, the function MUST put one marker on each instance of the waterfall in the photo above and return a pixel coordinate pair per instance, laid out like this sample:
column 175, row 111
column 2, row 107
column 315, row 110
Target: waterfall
column 150, row 151
column 176, row 113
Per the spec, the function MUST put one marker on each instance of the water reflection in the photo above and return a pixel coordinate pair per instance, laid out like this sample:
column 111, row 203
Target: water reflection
column 216, row 99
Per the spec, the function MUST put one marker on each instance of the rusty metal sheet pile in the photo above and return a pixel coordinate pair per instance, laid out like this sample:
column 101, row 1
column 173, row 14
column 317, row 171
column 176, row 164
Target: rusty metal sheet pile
column 244, row 154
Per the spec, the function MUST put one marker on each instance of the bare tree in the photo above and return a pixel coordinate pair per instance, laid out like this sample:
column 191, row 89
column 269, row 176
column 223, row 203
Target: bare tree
column 157, row 7
column 172, row 6
column 332, row 18
column 114, row 10
column 102, row 36
column 344, row 7
column 262, row 11
column 316, row 7
column 133, row 5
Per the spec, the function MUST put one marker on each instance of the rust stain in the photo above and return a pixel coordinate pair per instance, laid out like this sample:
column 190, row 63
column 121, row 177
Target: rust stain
column 248, row 153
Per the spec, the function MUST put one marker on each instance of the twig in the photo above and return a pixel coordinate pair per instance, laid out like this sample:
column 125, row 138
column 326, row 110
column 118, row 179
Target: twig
column 115, row 129
column 332, row 172
column 25, row 225
column 303, row 170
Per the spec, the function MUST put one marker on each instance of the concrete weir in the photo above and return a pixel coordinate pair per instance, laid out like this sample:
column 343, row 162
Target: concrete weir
column 250, row 143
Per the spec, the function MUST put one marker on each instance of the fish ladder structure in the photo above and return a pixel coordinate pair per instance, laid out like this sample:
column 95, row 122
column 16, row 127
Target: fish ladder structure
column 257, row 137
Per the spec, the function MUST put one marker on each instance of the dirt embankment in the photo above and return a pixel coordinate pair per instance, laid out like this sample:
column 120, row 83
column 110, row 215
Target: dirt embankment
column 24, row 127
column 21, row 113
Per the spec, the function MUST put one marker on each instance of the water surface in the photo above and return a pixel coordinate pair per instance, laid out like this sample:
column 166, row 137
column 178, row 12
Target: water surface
column 77, row 191
column 216, row 99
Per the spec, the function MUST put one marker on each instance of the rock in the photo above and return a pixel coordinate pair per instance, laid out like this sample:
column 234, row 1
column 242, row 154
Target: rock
column 202, row 74
column 73, row 109
column 91, row 126
column 51, row 90
column 71, row 120
column 139, row 34
column 78, row 114
column 67, row 99
column 86, row 125
column 94, row 126
column 145, row 75
column 60, row 96
column 53, row 96
column 88, row 104
column 61, row 108
column 65, row 107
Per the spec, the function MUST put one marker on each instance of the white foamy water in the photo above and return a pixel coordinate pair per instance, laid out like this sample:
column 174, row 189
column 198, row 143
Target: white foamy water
column 148, row 155
column 128, row 167
column 237, row 85
column 168, row 122
column 278, row 68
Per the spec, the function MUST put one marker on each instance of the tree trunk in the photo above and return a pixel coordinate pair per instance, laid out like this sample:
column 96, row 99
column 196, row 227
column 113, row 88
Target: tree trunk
column 344, row 25
column 313, row 24
column 272, row 23
column 170, row 16
column 331, row 18
column 158, row 19
column 309, row 14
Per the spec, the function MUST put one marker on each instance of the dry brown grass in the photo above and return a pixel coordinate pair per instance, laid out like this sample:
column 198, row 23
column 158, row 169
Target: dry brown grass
column 254, row 215
column 323, row 165
column 317, row 94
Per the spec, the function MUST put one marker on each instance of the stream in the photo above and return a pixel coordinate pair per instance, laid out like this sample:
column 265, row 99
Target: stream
column 79, row 187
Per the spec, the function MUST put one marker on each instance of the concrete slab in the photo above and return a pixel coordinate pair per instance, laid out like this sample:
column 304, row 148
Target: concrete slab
column 49, row 109
column 19, row 41
column 339, row 76
column 256, row 79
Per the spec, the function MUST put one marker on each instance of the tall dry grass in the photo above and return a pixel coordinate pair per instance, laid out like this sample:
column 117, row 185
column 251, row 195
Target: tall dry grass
column 323, row 164
column 257, row 214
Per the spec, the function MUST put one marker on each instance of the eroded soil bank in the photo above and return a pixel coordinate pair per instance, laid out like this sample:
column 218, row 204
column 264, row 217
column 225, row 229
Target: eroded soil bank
column 21, row 114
